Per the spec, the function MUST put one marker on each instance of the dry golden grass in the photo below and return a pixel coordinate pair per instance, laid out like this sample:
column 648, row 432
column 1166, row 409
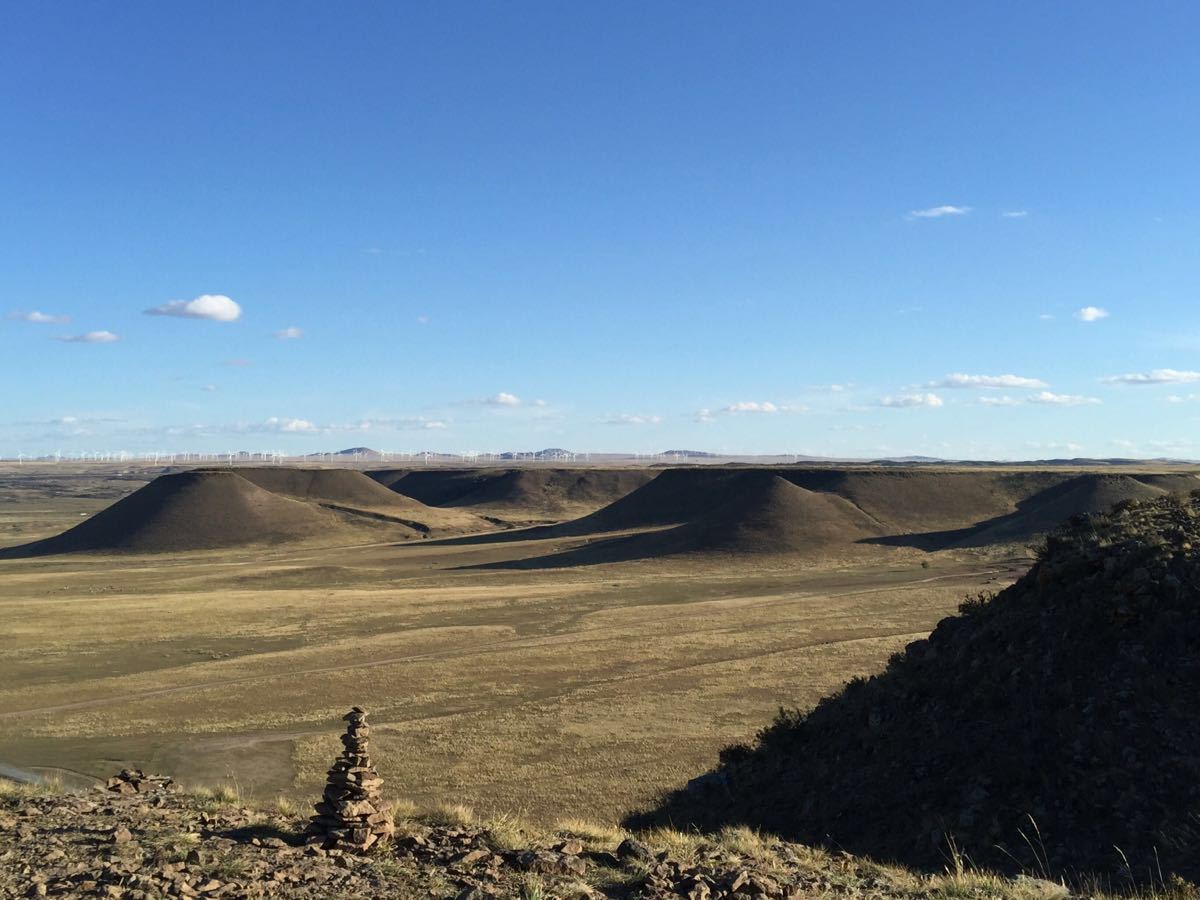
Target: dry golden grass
column 563, row 692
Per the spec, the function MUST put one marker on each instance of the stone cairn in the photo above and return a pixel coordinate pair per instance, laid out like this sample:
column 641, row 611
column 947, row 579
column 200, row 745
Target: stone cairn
column 351, row 816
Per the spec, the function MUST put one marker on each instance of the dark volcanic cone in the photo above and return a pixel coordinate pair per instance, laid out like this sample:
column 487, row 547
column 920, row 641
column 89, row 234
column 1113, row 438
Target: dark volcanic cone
column 1040, row 730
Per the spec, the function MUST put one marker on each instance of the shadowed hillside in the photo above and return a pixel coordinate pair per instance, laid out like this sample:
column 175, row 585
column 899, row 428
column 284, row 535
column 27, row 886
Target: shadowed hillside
column 192, row 511
column 763, row 513
column 531, row 494
column 1047, row 509
column 349, row 490
column 1067, row 701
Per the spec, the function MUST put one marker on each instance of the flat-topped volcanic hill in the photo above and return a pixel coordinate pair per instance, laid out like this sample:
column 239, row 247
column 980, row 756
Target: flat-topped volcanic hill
column 193, row 511
column 835, row 512
column 208, row 509
column 516, row 494
column 1052, row 728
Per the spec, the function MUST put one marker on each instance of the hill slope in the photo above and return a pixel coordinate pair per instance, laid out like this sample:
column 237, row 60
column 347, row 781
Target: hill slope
column 529, row 494
column 350, row 490
column 1069, row 698
column 193, row 511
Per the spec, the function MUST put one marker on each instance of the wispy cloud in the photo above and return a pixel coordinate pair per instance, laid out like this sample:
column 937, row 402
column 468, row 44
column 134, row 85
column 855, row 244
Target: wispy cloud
column 937, row 212
column 959, row 380
column 1155, row 376
column 91, row 337
column 1054, row 445
column 290, row 333
column 289, row 426
column 633, row 419
column 422, row 320
column 912, row 401
column 504, row 398
column 1049, row 399
column 1091, row 314
column 1000, row 401
column 1014, row 214
column 39, row 318
column 214, row 307
column 749, row 407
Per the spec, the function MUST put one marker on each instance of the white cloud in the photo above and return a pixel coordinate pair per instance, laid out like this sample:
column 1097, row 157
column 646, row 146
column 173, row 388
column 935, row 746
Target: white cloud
column 1014, row 214
column 999, row 401
column 290, row 333
column 39, row 318
column 1054, row 445
column 214, row 307
column 1049, row 399
column 289, row 426
column 1155, row 376
column 1091, row 314
column 208, row 388
column 503, row 399
column 1046, row 317
column 1178, row 398
column 936, row 212
column 418, row 423
column 912, row 401
column 958, row 380
column 748, row 407
column 91, row 337
column 751, row 406
column 633, row 419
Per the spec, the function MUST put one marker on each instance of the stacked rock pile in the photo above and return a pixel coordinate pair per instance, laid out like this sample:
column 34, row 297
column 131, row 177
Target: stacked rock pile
column 1039, row 730
column 351, row 816
column 135, row 781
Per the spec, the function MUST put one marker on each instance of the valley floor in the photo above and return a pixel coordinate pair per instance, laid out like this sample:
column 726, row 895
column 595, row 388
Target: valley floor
column 571, row 691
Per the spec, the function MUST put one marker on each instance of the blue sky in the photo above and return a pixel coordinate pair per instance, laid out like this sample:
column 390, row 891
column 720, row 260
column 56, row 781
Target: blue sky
column 615, row 226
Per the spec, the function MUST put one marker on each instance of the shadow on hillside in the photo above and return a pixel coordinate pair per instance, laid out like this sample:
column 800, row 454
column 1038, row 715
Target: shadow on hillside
column 598, row 551
column 1034, row 516
column 512, row 535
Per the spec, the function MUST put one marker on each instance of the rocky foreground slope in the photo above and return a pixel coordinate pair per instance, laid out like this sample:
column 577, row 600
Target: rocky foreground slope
column 142, row 839
column 1053, row 728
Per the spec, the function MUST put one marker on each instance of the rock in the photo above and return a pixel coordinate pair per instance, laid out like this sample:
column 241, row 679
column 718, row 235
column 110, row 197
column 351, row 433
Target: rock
column 350, row 815
column 633, row 850
column 121, row 835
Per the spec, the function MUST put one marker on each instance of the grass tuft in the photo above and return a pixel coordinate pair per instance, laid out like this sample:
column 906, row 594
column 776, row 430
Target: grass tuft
column 453, row 815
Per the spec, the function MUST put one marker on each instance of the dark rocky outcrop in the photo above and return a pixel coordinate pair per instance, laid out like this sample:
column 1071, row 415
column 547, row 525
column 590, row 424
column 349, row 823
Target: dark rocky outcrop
column 1051, row 728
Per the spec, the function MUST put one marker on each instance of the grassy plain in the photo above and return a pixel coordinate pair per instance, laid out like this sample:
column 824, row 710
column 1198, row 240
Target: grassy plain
column 554, row 692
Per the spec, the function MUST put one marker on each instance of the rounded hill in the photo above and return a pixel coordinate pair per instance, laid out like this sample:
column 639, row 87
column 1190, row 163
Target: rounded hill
column 200, row 510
